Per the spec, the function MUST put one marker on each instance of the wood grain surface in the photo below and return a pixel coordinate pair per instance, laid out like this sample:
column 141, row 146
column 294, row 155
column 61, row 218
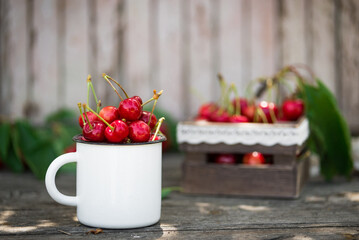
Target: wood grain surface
column 324, row 211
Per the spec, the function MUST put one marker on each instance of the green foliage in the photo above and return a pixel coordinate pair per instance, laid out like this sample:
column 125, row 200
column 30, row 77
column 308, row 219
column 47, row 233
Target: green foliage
column 329, row 132
column 166, row 191
column 22, row 144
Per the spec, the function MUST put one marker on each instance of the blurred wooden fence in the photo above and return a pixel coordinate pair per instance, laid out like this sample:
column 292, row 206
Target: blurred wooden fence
column 48, row 47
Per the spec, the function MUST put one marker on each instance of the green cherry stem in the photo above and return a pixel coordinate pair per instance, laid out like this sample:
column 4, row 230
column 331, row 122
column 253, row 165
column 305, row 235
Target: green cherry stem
column 158, row 127
column 88, row 89
column 88, row 121
column 238, row 101
column 262, row 115
column 154, row 97
column 113, row 80
column 82, row 116
column 106, row 78
column 103, row 120
column 223, row 86
column 272, row 115
column 89, row 83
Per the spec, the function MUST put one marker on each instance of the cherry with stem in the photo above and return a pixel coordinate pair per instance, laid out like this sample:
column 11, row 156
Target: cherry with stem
column 103, row 120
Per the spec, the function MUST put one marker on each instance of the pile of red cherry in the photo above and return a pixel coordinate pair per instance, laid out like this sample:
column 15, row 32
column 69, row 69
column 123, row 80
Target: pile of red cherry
column 291, row 110
column 241, row 110
column 125, row 124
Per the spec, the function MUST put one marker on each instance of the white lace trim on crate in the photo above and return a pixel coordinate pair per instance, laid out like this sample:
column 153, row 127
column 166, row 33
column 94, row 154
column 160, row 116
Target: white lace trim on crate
column 266, row 134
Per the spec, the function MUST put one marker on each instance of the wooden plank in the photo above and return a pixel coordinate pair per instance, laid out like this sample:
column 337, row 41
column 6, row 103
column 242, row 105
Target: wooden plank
column 231, row 37
column 137, row 45
column 292, row 31
column 4, row 76
column 109, row 34
column 45, row 61
column 201, row 77
column 17, row 57
column 266, row 180
column 322, row 48
column 349, row 60
column 76, row 53
column 320, row 233
column 170, row 55
column 25, row 204
column 263, row 38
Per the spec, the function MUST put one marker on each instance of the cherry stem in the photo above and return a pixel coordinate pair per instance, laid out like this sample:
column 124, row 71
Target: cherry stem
column 222, row 83
column 262, row 115
column 88, row 121
column 269, row 83
column 103, row 120
column 238, row 101
column 154, row 97
column 106, row 78
column 113, row 80
column 82, row 116
column 89, row 83
column 227, row 102
column 153, row 109
column 272, row 115
column 159, row 123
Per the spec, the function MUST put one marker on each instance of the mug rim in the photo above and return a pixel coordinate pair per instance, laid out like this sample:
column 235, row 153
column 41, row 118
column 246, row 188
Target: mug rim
column 80, row 139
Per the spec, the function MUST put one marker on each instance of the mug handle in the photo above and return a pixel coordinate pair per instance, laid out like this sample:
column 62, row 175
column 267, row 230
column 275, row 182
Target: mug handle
column 50, row 179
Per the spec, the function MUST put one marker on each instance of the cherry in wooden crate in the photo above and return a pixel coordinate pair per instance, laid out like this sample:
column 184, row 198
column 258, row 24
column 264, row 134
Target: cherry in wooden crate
column 283, row 142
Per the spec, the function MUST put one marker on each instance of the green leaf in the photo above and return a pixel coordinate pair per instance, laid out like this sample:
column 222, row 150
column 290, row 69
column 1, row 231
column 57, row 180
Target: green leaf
column 5, row 129
column 38, row 151
column 166, row 191
column 63, row 116
column 330, row 135
column 13, row 159
column 40, row 158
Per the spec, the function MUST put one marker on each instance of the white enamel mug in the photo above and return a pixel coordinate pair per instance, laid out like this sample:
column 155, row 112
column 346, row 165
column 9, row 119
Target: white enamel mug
column 117, row 185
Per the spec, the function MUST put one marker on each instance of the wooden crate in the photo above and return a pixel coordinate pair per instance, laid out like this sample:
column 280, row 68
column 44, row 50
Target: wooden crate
column 284, row 178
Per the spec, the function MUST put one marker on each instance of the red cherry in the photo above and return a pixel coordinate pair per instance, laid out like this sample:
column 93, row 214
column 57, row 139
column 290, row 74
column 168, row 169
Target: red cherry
column 156, row 138
column 253, row 158
column 119, row 132
column 206, row 110
column 92, row 118
column 145, row 116
column 293, row 109
column 130, row 109
column 238, row 119
column 139, row 131
column 109, row 113
column 138, row 99
column 268, row 107
column 249, row 112
column 243, row 103
column 219, row 116
column 97, row 133
column 225, row 159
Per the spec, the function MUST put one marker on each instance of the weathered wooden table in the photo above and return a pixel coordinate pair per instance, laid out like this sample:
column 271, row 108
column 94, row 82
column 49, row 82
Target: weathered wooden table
column 324, row 211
